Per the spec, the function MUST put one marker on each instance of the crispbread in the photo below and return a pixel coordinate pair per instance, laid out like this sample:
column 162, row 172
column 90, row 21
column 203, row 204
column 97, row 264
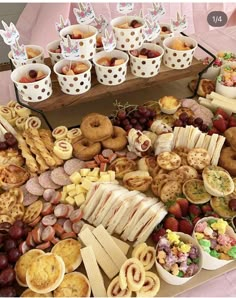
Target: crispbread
column 33, row 211
column 17, row 211
column 23, row 263
column 69, row 251
column 169, row 160
column 195, row 191
column 30, row 293
column 6, row 218
column 170, row 190
column 74, row 284
column 45, row 273
column 198, row 158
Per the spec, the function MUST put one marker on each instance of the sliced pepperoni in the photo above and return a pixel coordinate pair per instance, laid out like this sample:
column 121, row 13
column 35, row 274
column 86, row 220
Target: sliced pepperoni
column 76, row 215
column 60, row 177
column 23, row 247
column 55, row 240
column 29, row 240
column 49, row 220
column 28, row 198
column 121, row 153
column 67, row 226
column 76, row 227
column 34, row 187
column 103, row 159
column 73, row 165
column 91, row 164
column 44, row 245
column 61, row 211
column 58, row 229
column 49, row 194
column 48, row 233
column 131, row 155
column 47, row 208
column 68, row 235
column 46, row 182
column 35, row 222
column 61, row 221
column 71, row 209
column 56, row 198
column 36, row 234
column 112, row 157
column 107, row 152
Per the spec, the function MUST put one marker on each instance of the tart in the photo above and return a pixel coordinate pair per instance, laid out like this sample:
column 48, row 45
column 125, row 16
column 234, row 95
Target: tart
column 220, row 205
column 195, row 191
column 169, row 104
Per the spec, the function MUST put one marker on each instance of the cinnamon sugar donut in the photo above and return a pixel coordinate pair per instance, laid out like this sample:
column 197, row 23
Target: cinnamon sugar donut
column 85, row 149
column 228, row 160
column 96, row 127
column 117, row 141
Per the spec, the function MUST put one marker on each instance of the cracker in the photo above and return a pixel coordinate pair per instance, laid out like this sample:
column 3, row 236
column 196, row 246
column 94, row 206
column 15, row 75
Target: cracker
column 170, row 191
column 6, row 218
column 169, row 160
column 158, row 182
column 198, row 158
column 17, row 211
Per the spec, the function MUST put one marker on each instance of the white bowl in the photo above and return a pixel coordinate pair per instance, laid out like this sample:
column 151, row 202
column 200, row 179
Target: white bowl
column 176, row 280
column 111, row 75
column 159, row 39
column 176, row 59
column 211, row 73
column 226, row 91
column 146, row 68
column 74, row 84
column 87, row 46
column 54, row 57
column 37, row 59
column 35, row 91
column 128, row 39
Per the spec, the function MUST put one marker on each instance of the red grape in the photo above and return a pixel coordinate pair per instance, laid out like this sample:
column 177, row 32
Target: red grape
column 125, row 122
column 183, row 116
column 11, row 141
column 26, row 230
column 19, row 223
column 138, row 127
column 137, row 115
column 7, row 292
column 152, row 113
column 142, row 110
column 3, row 146
column 128, row 127
column 8, row 135
column 198, row 121
column 7, row 276
column 142, row 120
column 178, row 122
column 121, row 114
column 16, row 232
column 32, row 74
column 204, row 127
column 190, row 121
column 8, row 244
column 3, row 261
column 232, row 204
column 13, row 255
column 147, row 113
column 133, row 121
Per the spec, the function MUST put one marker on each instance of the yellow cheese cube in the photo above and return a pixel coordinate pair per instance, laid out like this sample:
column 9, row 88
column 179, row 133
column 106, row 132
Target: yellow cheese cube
column 103, row 173
column 75, row 177
column 84, row 172
column 80, row 189
column 94, row 172
column 72, row 193
column 70, row 187
column 92, row 179
column 79, row 199
column 104, row 178
column 87, row 184
column 70, row 200
column 112, row 175
column 63, row 195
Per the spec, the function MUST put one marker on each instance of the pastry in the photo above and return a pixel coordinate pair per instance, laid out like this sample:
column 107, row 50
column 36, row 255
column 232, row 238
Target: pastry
column 114, row 289
column 20, row 123
column 74, row 133
column 63, row 149
column 138, row 142
column 227, row 160
column 32, row 122
column 85, row 149
column 169, row 104
column 198, row 158
column 22, row 111
column 205, row 87
column 11, row 156
column 122, row 165
column 230, row 134
column 117, row 141
column 8, row 200
column 195, row 191
column 12, row 176
column 149, row 163
column 169, row 160
column 137, row 180
column 60, row 132
column 220, row 205
column 151, row 285
column 145, row 254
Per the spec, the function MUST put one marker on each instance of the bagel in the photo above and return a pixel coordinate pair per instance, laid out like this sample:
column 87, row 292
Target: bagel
column 96, row 127
column 228, row 160
column 85, row 149
column 117, row 141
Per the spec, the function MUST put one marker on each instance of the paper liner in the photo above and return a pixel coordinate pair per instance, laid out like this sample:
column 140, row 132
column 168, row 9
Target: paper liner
column 175, row 280
column 128, row 39
column 146, row 68
column 226, row 90
column 159, row 40
column 114, row 75
column 178, row 59
column 209, row 262
column 87, row 46
column 54, row 57
column 74, row 84
column 37, row 59
column 36, row 91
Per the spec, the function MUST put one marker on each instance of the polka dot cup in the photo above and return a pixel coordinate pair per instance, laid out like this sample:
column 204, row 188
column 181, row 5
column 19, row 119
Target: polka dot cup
column 226, row 91
column 159, row 40
column 146, row 68
column 87, row 46
column 128, row 39
column 37, row 59
column 73, row 84
column 54, row 57
column 111, row 75
column 36, row 91
column 176, row 59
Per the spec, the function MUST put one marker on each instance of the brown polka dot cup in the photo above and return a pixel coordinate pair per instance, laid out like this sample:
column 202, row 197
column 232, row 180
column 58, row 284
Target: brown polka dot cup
column 177, row 59
column 35, row 91
column 162, row 36
column 111, row 75
column 149, row 67
column 73, row 84
column 37, row 59
column 128, row 39
column 54, row 57
column 87, row 46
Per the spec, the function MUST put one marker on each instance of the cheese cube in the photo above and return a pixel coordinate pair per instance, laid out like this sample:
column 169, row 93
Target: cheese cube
column 72, row 193
column 79, row 199
column 92, row 178
column 104, row 178
column 87, row 184
column 70, row 187
column 80, row 189
column 112, row 175
column 84, row 172
column 103, row 173
column 63, row 196
column 75, row 177
column 94, row 172
column 70, row 200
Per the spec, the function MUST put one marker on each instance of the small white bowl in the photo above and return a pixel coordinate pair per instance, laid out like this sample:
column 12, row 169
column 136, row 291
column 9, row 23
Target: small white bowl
column 54, row 57
column 159, row 40
column 35, row 91
column 74, row 84
column 111, row 75
column 176, row 59
column 37, row 59
column 211, row 73
column 128, row 39
column 226, row 91
column 146, row 68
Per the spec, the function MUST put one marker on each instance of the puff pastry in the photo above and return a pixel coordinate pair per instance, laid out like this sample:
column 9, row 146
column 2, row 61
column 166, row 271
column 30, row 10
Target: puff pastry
column 114, row 289
column 145, row 254
column 137, row 180
column 151, row 285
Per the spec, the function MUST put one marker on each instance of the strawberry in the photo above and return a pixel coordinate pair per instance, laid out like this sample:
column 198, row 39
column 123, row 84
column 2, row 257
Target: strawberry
column 171, row 223
column 174, row 209
column 26, row 80
column 194, row 211
column 212, row 213
column 206, row 208
column 157, row 234
column 213, row 130
column 185, row 226
column 232, row 120
column 195, row 220
column 220, row 111
column 219, row 123
column 183, row 202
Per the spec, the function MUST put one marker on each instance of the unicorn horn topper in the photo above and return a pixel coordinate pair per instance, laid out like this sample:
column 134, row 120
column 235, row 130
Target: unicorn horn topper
column 180, row 24
column 84, row 13
column 19, row 53
column 69, row 51
column 10, row 35
column 108, row 41
column 151, row 30
column 101, row 23
column 63, row 23
column 157, row 10
column 125, row 8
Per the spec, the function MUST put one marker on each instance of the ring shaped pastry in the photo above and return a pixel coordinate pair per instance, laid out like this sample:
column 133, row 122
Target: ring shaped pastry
column 85, row 149
column 145, row 254
column 117, row 141
column 114, row 289
column 151, row 285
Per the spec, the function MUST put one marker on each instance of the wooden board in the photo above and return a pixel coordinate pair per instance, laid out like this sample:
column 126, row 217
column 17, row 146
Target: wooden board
column 59, row 99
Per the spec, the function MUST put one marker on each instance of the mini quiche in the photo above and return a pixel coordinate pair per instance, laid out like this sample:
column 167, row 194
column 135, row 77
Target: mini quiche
column 217, row 181
column 195, row 191
column 220, row 205
column 169, row 104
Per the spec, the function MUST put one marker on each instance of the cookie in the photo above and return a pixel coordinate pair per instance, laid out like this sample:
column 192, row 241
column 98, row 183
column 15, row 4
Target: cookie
column 170, row 191
column 198, row 158
column 169, row 160
column 33, row 211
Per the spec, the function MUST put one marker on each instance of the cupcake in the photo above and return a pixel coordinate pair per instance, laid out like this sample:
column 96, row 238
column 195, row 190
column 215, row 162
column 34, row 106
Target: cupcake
column 169, row 104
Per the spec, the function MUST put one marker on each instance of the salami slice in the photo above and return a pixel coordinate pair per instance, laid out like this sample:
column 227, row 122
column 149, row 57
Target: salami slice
column 49, row 220
column 34, row 187
column 48, row 194
column 61, row 210
column 28, row 198
column 46, row 182
column 60, row 177
column 77, row 226
column 73, row 165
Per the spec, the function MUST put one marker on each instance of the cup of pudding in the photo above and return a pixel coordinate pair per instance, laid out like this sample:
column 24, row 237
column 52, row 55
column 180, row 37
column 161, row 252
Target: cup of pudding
column 165, row 33
column 54, row 51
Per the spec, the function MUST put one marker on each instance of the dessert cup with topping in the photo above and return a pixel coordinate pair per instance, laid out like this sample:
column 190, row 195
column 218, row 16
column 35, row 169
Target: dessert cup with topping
column 165, row 33
column 54, row 51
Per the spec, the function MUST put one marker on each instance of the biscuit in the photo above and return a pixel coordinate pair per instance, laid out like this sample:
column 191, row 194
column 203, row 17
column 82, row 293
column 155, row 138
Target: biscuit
column 183, row 173
column 170, row 191
column 198, row 158
column 169, row 160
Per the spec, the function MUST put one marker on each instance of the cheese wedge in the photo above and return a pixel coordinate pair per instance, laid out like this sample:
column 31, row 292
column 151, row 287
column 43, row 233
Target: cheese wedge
column 216, row 154
column 93, row 272
column 200, row 141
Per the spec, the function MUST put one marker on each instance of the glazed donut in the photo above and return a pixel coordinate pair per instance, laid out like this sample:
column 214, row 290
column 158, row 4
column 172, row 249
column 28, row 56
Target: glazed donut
column 117, row 141
column 228, row 160
column 85, row 149
column 96, row 127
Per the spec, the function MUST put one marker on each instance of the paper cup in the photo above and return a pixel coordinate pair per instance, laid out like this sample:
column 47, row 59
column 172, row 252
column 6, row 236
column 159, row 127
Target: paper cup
column 209, row 262
column 178, row 59
column 146, row 68
column 36, row 91
column 87, row 46
column 128, row 39
column 226, row 91
column 111, row 75
column 176, row 280
column 37, row 59
column 54, row 57
column 159, row 40
column 75, row 84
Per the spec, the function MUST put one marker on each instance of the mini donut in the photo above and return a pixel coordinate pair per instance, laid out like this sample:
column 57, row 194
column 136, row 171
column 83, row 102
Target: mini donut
column 230, row 137
column 85, row 149
column 228, row 160
column 117, row 141
column 96, row 127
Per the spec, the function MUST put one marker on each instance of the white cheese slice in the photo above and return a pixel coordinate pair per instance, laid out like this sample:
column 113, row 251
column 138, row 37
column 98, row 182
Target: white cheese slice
column 212, row 145
column 206, row 142
column 200, row 141
column 216, row 154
